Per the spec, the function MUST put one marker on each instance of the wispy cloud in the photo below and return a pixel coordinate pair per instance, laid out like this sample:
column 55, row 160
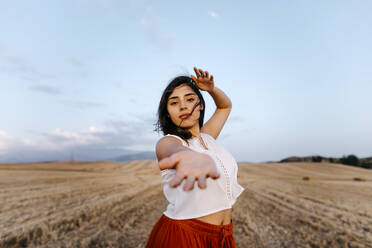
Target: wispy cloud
column 236, row 118
column 213, row 14
column 75, row 61
column 17, row 64
column 83, row 105
column 46, row 89
column 152, row 26
column 107, row 5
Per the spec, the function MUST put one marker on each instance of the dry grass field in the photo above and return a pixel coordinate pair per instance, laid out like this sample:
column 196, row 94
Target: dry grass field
column 108, row 204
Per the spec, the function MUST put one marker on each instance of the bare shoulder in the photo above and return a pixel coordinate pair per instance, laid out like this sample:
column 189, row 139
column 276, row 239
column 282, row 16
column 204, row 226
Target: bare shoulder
column 164, row 144
column 167, row 140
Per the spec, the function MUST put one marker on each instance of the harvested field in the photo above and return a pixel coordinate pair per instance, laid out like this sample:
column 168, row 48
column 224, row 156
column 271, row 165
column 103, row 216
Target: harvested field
column 109, row 204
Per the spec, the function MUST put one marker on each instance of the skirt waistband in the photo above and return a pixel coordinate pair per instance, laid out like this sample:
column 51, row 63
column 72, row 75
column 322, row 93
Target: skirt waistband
column 201, row 226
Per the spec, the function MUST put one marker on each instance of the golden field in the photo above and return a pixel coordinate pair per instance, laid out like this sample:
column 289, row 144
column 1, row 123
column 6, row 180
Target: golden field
column 110, row 204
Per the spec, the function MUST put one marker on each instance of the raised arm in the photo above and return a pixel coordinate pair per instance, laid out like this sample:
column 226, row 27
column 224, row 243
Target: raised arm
column 190, row 165
column 217, row 121
column 215, row 124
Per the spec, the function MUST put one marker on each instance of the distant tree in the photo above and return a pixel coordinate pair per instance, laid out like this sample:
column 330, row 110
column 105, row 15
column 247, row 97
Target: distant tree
column 350, row 160
column 316, row 159
column 366, row 165
column 331, row 160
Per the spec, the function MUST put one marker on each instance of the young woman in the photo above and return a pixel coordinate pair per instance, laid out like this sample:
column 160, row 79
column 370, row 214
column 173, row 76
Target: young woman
column 188, row 153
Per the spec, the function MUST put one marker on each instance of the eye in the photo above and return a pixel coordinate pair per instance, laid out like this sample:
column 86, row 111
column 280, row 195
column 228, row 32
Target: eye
column 191, row 99
column 173, row 103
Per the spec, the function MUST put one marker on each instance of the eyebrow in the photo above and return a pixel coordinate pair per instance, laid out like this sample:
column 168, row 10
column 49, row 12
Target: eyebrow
column 188, row 94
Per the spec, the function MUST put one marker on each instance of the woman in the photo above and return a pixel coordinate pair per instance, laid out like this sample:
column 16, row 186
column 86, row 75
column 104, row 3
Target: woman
column 189, row 152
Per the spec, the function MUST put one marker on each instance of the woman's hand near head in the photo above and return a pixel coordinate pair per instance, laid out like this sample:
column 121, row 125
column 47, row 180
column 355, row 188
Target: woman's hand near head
column 190, row 166
column 203, row 80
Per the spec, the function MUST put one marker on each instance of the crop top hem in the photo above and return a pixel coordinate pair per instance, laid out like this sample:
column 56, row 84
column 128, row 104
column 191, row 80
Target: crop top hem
column 197, row 216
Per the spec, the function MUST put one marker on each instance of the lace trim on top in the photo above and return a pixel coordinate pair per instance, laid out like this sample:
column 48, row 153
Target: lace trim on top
column 225, row 172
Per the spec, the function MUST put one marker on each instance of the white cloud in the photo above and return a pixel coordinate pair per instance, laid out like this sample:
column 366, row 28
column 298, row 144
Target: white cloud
column 8, row 143
column 4, row 140
column 212, row 14
column 57, row 138
column 53, row 140
column 151, row 24
column 117, row 138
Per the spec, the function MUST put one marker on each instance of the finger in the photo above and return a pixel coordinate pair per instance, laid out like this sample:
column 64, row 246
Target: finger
column 177, row 179
column 201, row 72
column 193, row 78
column 206, row 74
column 196, row 72
column 190, row 181
column 214, row 174
column 202, row 183
column 211, row 77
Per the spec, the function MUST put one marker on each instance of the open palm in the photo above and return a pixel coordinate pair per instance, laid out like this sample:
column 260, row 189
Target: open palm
column 203, row 80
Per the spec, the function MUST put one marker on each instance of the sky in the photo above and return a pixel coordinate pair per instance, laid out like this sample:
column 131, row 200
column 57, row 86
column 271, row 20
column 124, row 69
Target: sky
column 84, row 78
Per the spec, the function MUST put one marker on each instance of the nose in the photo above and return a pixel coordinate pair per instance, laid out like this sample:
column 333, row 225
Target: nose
column 183, row 105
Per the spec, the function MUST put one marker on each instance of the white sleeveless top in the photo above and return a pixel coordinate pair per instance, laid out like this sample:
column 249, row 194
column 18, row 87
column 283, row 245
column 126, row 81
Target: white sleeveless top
column 219, row 194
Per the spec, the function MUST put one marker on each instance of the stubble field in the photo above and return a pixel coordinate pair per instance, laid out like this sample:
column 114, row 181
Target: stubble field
column 109, row 204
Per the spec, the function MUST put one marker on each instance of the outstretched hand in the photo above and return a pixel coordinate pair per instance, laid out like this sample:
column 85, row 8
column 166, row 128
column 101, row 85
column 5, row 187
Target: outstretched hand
column 191, row 166
column 203, row 80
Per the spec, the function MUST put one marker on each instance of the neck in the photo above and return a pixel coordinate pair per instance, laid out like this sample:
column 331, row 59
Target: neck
column 195, row 131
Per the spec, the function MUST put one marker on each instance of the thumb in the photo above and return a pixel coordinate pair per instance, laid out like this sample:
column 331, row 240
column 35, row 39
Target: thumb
column 166, row 163
column 193, row 78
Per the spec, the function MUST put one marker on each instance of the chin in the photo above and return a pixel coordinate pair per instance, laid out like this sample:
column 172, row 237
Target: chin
column 186, row 126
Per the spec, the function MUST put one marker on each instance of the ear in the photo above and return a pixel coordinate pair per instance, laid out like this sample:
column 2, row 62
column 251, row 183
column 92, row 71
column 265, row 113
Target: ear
column 201, row 107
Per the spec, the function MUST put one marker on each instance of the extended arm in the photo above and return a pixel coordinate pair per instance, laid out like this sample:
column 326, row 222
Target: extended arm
column 190, row 165
column 166, row 147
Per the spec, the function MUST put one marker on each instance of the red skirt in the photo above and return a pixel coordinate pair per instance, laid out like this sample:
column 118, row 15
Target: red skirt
column 170, row 233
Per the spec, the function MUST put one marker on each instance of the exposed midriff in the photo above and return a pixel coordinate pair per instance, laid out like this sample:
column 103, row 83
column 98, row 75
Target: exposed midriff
column 222, row 217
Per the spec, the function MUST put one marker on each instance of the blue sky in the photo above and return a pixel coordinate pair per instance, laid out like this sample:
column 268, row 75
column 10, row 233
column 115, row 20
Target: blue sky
column 85, row 77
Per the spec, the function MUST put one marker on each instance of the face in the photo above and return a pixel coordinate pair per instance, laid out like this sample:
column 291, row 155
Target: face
column 181, row 101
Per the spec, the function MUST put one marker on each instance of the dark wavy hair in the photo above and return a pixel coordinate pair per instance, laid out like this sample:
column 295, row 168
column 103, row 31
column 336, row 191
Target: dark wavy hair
column 164, row 122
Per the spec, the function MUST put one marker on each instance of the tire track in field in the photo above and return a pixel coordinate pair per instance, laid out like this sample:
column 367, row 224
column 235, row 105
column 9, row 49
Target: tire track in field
column 338, row 217
column 47, row 206
column 116, row 225
column 275, row 222
column 89, row 205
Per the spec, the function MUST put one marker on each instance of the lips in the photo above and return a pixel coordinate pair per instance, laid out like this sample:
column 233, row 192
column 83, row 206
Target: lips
column 184, row 116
